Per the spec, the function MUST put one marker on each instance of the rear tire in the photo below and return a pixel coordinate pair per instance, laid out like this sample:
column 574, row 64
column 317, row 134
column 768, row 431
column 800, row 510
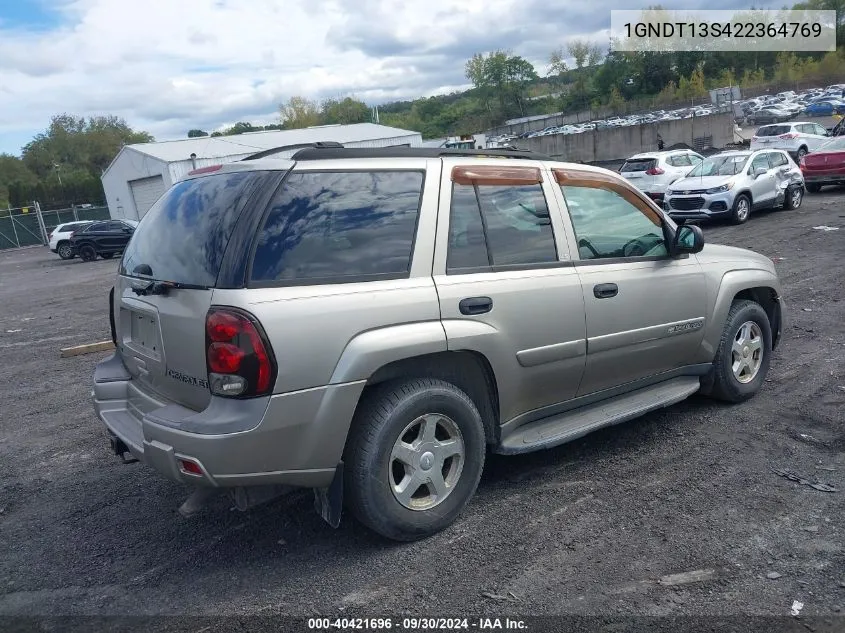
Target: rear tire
column 65, row 250
column 744, row 353
column 402, row 434
column 742, row 209
column 813, row 187
column 87, row 253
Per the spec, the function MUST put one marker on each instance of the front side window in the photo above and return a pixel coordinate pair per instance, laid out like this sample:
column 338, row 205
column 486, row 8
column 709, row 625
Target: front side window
column 776, row 159
column 499, row 225
column 609, row 224
column 333, row 227
column 761, row 161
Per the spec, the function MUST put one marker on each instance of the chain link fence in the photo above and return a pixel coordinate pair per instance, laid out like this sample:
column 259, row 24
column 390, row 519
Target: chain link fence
column 30, row 226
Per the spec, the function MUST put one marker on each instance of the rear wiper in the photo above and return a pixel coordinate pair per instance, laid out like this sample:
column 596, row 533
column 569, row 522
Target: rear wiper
column 163, row 287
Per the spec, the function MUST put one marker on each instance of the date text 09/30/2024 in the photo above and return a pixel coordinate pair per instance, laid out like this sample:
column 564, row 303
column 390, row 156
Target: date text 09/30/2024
column 416, row 624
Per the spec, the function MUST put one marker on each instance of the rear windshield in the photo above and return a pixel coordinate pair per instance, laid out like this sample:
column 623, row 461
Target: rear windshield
column 639, row 164
column 774, row 130
column 330, row 227
column 183, row 236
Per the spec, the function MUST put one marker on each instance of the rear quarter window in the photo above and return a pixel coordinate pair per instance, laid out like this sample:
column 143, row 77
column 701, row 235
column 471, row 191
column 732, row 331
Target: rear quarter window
column 334, row 227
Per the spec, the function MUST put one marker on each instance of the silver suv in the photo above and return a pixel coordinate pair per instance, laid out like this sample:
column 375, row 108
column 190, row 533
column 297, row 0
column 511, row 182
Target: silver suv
column 370, row 323
column 732, row 184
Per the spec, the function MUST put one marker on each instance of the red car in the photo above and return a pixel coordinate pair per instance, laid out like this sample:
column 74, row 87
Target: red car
column 825, row 166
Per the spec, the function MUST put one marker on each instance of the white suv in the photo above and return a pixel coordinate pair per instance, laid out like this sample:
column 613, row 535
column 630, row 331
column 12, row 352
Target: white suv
column 652, row 172
column 798, row 138
column 60, row 238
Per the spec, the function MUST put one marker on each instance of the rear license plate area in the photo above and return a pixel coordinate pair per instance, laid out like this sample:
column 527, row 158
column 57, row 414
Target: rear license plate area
column 143, row 333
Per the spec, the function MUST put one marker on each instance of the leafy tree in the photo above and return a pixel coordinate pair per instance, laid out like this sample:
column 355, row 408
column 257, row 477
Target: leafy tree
column 299, row 112
column 216, row 133
column 196, row 133
column 344, row 111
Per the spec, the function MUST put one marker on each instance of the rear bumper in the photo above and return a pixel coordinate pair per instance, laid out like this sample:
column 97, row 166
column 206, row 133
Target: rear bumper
column 293, row 439
column 829, row 177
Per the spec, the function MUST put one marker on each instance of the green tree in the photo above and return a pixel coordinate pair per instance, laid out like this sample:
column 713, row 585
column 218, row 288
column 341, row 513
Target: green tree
column 299, row 112
column 13, row 172
column 196, row 133
column 344, row 111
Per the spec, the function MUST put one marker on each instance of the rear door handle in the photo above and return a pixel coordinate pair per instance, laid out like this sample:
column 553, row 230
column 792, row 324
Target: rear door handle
column 605, row 291
column 475, row 305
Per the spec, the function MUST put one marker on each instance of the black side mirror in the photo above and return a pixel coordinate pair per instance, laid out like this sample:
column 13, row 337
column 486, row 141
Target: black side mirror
column 688, row 239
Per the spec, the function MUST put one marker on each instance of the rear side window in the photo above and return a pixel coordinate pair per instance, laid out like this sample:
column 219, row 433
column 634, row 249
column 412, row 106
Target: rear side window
column 331, row 227
column 184, row 235
column 774, row 130
column 638, row 164
column 680, row 160
column 499, row 225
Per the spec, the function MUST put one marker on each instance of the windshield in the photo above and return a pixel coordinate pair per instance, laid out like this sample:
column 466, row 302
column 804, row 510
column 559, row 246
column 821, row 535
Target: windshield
column 184, row 235
column 720, row 166
column 836, row 144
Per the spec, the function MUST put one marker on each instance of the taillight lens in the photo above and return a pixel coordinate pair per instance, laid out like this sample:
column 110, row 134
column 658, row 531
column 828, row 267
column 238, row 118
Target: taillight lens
column 654, row 171
column 789, row 136
column 239, row 359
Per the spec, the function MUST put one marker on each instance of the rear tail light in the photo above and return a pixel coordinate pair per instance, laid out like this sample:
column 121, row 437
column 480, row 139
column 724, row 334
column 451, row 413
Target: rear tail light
column 789, row 137
column 111, row 317
column 238, row 355
column 654, row 171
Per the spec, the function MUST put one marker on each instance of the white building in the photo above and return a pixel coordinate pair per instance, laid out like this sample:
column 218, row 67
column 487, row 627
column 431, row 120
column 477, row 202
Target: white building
column 140, row 173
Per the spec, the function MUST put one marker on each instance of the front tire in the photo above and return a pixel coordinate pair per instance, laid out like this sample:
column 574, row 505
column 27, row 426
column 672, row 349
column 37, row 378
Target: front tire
column 802, row 152
column 813, row 187
column 744, row 353
column 794, row 197
column 414, row 458
column 742, row 209
column 106, row 255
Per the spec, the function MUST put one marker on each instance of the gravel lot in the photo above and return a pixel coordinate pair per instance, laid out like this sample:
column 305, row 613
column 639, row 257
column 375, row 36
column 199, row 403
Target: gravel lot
column 587, row 528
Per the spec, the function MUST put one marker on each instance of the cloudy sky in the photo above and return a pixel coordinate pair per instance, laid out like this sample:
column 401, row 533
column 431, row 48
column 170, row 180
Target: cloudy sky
column 171, row 65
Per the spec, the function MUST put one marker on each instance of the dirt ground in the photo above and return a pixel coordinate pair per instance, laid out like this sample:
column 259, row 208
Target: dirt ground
column 586, row 528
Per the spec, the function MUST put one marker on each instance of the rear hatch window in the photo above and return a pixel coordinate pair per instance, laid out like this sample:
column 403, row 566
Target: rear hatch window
column 183, row 237
column 639, row 164
column 774, row 130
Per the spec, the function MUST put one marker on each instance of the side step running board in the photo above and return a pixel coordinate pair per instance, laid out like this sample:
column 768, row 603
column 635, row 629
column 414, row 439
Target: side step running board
column 576, row 423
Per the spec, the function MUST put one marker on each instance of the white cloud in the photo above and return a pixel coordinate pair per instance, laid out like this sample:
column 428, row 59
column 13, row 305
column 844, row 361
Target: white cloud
column 171, row 65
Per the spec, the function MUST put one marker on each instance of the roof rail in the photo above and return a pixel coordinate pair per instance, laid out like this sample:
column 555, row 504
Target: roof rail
column 311, row 153
column 284, row 148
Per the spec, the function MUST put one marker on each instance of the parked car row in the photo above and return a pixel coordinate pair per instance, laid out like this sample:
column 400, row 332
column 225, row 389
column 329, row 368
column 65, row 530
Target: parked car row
column 90, row 239
column 787, row 105
column 617, row 121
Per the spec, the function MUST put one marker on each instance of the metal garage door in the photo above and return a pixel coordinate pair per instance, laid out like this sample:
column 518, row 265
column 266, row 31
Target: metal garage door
column 145, row 191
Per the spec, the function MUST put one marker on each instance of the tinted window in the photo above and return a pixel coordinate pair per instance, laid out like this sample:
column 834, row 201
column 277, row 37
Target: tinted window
column 183, row 236
column 115, row 226
column 516, row 227
column 327, row 226
column 638, row 164
column 774, row 130
column 606, row 225
column 97, row 226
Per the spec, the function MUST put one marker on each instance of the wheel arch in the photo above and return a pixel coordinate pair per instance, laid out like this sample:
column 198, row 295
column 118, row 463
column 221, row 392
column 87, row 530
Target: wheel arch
column 756, row 285
column 469, row 371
